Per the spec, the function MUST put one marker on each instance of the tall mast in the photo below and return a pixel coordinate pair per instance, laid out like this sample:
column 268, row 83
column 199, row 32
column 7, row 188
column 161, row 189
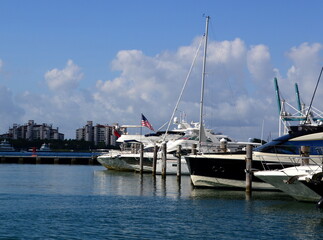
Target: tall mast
column 203, row 78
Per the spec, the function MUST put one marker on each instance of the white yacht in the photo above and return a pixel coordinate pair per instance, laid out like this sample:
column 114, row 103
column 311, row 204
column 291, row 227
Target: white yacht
column 291, row 181
column 5, row 146
column 45, row 148
column 127, row 158
column 214, row 143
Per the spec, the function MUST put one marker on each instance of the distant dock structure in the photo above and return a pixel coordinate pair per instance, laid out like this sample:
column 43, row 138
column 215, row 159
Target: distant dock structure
column 70, row 158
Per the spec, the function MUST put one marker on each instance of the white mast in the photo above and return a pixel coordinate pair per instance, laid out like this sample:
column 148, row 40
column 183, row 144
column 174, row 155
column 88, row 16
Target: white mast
column 201, row 132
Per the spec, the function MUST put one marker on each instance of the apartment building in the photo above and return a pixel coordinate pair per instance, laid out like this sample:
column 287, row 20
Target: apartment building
column 98, row 133
column 33, row 131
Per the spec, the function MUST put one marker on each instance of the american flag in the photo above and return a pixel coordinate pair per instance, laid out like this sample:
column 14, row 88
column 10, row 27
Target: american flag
column 145, row 123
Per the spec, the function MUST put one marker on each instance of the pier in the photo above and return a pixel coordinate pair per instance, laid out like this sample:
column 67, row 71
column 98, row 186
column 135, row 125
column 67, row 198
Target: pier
column 49, row 158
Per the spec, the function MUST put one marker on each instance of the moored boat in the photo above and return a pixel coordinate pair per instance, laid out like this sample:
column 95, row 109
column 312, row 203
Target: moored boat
column 294, row 181
column 45, row 148
column 5, row 146
column 125, row 162
column 128, row 157
column 228, row 169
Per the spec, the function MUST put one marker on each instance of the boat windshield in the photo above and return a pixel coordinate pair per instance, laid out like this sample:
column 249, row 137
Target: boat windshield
column 283, row 146
column 190, row 137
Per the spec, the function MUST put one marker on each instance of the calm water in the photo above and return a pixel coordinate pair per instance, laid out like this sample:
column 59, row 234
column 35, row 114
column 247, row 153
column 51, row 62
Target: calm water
column 88, row 202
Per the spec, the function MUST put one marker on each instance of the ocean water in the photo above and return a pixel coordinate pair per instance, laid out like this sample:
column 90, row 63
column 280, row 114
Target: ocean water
column 89, row 202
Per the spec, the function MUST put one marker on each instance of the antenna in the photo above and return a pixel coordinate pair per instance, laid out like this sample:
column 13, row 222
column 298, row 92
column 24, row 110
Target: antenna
column 309, row 108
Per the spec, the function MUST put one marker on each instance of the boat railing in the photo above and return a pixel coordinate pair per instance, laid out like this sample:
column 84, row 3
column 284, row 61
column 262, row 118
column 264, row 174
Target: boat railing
column 130, row 148
column 209, row 148
column 313, row 158
column 216, row 148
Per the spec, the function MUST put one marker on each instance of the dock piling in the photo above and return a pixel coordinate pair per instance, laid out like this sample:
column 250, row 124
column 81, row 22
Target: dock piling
column 248, row 169
column 164, row 157
column 179, row 165
column 141, row 160
column 305, row 153
column 194, row 149
column 154, row 160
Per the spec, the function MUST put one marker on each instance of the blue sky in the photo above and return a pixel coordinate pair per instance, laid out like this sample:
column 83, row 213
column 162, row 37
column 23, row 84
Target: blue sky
column 66, row 62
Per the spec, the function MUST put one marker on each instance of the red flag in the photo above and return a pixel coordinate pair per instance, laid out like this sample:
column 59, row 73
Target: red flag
column 145, row 123
column 115, row 133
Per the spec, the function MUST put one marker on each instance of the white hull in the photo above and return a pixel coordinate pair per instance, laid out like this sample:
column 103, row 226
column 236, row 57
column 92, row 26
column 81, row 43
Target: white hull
column 286, row 180
column 171, row 167
column 123, row 162
column 130, row 162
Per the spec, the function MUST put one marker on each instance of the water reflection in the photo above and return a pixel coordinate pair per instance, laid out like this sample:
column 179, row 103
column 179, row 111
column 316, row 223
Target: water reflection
column 270, row 213
column 107, row 182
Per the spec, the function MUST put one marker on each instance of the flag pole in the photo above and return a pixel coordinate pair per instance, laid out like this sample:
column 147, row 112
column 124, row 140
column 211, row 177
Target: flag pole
column 140, row 127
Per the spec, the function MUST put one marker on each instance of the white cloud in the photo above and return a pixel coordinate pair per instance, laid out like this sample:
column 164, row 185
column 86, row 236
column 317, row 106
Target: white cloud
column 65, row 79
column 226, row 63
column 227, row 52
column 259, row 63
column 151, row 85
column 306, row 63
column 1, row 65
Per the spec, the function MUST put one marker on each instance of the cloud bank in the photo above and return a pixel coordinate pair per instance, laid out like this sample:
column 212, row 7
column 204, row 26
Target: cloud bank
column 239, row 94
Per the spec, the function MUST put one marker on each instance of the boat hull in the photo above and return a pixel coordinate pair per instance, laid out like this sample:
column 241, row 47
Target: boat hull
column 289, row 181
column 317, row 187
column 131, row 162
column 228, row 170
column 125, row 162
column 171, row 166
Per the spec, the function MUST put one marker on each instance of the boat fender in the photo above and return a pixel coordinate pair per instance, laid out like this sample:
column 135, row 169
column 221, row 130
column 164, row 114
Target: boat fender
column 320, row 204
column 291, row 180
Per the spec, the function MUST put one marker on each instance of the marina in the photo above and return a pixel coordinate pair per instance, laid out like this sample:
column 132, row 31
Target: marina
column 156, row 120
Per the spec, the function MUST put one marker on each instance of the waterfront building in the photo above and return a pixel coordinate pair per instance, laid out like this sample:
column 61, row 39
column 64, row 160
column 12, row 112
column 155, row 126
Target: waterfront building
column 98, row 133
column 32, row 131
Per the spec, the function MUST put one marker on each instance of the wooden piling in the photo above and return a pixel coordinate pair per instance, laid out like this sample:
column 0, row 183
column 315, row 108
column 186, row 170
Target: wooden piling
column 248, row 169
column 194, row 149
column 56, row 160
column 305, row 153
column 154, row 160
column 179, row 164
column 164, row 157
column 38, row 160
column 141, row 159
